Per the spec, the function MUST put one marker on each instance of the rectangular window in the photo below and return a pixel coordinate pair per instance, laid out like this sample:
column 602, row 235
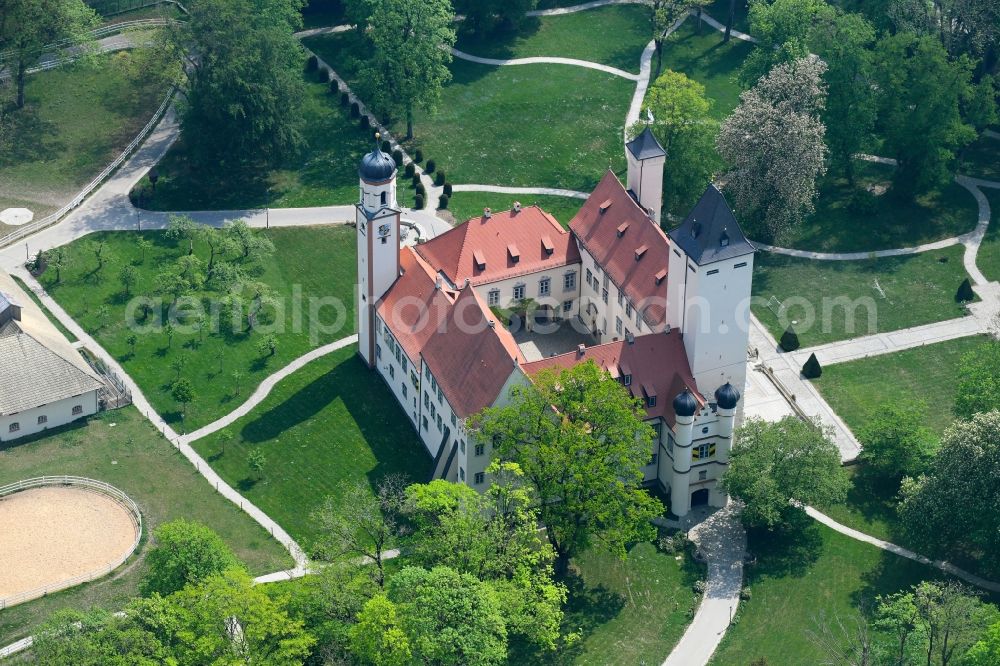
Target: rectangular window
column 425, row 423
column 652, row 459
column 596, row 284
column 607, row 281
column 480, row 449
column 433, row 410
column 454, row 419
column 461, row 446
column 702, row 475
column 43, row 419
column 604, row 295
column 567, row 306
column 518, row 292
column 618, row 325
column 427, row 371
column 78, row 409
column 569, row 281
column 627, row 380
column 651, row 401
column 712, row 272
column 480, row 478
column 427, row 400
column 494, row 297
column 378, row 351
column 590, row 276
column 378, row 325
column 404, row 390
column 703, row 452
column 742, row 264
column 628, row 309
column 461, row 474
column 621, row 298
column 544, row 286
column 439, row 422
column 677, row 253
column 628, row 335
column 14, row 427
column 392, row 371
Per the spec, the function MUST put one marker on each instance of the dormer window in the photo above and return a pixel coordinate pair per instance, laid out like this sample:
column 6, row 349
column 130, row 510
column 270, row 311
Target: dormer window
column 479, row 260
column 724, row 239
column 661, row 275
column 548, row 246
column 695, row 229
column 627, row 380
column 639, row 251
column 515, row 255
column 605, row 205
column 622, row 228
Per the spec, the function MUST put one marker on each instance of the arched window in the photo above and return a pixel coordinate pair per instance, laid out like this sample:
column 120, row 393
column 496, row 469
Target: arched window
column 383, row 198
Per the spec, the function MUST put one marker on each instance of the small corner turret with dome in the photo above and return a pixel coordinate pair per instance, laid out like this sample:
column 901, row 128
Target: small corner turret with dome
column 726, row 396
column 377, row 218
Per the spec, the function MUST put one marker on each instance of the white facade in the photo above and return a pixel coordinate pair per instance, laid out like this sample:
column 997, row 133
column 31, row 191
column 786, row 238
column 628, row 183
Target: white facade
column 710, row 305
column 604, row 307
column 53, row 415
column 563, row 292
column 645, row 180
column 378, row 255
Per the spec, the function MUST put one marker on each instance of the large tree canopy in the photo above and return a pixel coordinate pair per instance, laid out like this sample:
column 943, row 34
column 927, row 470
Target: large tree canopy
column 955, row 508
column 185, row 552
column 782, row 28
column 581, row 441
column 244, row 87
column 776, row 463
column 773, row 143
column 487, row 15
column 27, row 27
column 409, row 65
column 978, row 388
column 681, row 122
column 920, row 94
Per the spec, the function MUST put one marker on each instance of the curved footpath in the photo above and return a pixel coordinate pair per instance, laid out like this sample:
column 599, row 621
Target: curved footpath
column 902, row 552
column 545, row 60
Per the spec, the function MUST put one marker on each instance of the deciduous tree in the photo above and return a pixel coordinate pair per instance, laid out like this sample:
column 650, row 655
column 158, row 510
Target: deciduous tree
column 782, row 28
column 978, row 389
column 409, row 65
column 582, row 442
column 682, row 124
column 186, row 552
column 778, row 463
column 377, row 638
column 774, row 144
column 896, row 443
column 30, row 28
column 951, row 510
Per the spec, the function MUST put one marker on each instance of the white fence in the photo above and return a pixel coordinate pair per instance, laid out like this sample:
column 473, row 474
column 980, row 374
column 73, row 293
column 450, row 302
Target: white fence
column 38, row 225
column 97, row 33
column 88, row 484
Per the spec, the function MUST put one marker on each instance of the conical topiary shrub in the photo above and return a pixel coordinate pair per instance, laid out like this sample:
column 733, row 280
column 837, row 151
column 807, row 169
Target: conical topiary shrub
column 965, row 292
column 812, row 368
column 789, row 339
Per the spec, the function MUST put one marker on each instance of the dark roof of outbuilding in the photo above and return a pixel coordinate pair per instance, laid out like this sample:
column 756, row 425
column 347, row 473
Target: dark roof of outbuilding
column 710, row 232
column 376, row 167
column 645, row 146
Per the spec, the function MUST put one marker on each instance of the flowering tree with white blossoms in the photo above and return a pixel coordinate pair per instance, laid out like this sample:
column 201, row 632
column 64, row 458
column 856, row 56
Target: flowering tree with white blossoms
column 773, row 142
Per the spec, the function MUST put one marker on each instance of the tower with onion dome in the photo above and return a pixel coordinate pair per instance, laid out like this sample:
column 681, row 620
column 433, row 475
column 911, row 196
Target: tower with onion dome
column 377, row 215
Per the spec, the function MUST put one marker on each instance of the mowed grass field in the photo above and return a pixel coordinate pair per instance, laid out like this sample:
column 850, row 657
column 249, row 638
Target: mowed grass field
column 926, row 375
column 885, row 294
column 324, row 173
column 77, row 119
column 331, row 423
column 308, row 263
column 122, row 448
column 466, row 205
column 533, row 125
column 580, row 35
column 805, row 580
column 988, row 258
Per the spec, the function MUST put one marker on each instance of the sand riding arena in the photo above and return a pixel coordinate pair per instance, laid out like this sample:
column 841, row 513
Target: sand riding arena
column 60, row 531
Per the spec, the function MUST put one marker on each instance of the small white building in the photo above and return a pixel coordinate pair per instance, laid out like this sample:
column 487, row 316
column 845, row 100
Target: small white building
column 667, row 311
column 44, row 382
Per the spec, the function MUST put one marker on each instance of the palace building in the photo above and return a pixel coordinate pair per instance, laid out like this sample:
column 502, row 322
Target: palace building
column 665, row 314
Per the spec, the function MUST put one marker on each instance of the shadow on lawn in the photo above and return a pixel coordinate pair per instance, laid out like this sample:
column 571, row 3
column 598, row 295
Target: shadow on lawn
column 788, row 551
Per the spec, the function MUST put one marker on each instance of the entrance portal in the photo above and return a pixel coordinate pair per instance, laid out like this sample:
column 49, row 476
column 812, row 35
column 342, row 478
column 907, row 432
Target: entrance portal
column 699, row 497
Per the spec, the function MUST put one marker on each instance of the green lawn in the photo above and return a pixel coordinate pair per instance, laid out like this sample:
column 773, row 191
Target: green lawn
column 325, row 173
column 890, row 223
column 632, row 611
column 891, row 293
column 981, row 159
column 76, row 121
column 810, row 577
column 581, row 35
column 122, row 448
column 317, row 261
column 857, row 390
column 706, row 59
column 332, row 422
column 988, row 258
column 719, row 10
column 465, row 205
column 532, row 125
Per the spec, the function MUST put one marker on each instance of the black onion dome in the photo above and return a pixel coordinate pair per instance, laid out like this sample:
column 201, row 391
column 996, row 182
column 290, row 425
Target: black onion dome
column 685, row 404
column 376, row 167
column 727, row 396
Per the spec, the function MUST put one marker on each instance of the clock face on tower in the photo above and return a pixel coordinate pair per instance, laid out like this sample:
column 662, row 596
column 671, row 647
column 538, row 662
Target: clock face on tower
column 383, row 230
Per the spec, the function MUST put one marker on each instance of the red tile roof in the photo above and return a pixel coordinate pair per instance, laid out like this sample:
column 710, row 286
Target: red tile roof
column 496, row 241
column 657, row 362
column 629, row 246
column 413, row 307
column 470, row 359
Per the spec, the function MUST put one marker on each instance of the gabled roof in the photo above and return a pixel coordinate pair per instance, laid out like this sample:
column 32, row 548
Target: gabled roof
column 710, row 232
column 613, row 228
column 38, row 366
column 414, row 306
column 480, row 249
column 645, row 146
column 470, row 358
column 657, row 364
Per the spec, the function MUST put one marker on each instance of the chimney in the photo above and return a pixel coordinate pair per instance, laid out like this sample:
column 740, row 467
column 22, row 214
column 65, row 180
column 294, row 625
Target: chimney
column 517, row 206
column 492, row 323
column 487, row 213
column 580, row 349
column 437, row 282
